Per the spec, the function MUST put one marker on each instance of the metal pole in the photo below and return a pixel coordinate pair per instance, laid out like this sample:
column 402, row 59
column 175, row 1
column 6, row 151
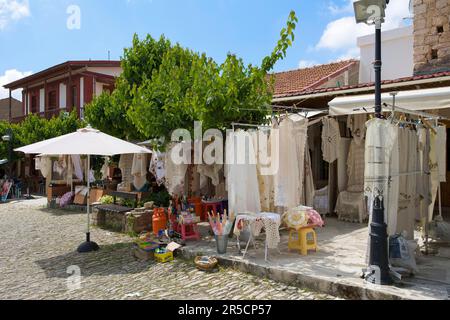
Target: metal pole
column 377, row 67
column 378, row 259
column 88, row 233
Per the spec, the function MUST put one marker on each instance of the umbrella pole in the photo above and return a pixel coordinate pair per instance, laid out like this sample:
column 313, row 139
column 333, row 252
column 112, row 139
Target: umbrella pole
column 88, row 246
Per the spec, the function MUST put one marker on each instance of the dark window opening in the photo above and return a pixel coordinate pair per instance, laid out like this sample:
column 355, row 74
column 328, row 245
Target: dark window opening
column 434, row 54
column 440, row 29
column 34, row 108
column 74, row 96
column 52, row 100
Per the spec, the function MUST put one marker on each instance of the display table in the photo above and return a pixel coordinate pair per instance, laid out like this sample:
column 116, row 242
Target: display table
column 254, row 223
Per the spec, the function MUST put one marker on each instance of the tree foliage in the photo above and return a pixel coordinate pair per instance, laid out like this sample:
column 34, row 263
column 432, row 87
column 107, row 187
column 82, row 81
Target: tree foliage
column 34, row 129
column 164, row 87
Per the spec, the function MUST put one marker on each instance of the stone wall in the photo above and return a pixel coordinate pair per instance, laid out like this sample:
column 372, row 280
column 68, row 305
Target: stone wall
column 431, row 36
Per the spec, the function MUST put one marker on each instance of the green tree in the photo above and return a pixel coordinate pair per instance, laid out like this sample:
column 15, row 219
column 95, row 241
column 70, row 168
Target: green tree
column 164, row 87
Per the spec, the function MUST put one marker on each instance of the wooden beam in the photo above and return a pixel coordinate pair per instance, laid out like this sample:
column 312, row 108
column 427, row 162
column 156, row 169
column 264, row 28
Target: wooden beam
column 10, row 106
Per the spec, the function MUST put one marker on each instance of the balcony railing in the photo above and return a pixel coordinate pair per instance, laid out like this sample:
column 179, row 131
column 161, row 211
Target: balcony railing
column 46, row 114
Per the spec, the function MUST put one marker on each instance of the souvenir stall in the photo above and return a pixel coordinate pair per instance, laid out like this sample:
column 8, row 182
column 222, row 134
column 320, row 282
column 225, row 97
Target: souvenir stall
column 399, row 160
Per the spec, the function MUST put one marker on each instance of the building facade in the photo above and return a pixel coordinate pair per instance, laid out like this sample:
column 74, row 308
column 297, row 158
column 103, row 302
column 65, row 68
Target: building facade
column 64, row 87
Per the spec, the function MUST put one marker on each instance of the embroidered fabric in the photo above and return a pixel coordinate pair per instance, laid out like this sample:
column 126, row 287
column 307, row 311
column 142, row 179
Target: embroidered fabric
column 357, row 125
column 270, row 222
column 241, row 173
column 125, row 165
column 176, row 172
column 288, row 181
column 331, row 136
column 157, row 167
column 139, row 170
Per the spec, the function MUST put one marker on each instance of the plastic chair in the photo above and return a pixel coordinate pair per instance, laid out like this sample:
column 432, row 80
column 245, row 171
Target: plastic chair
column 190, row 231
column 215, row 207
column 301, row 242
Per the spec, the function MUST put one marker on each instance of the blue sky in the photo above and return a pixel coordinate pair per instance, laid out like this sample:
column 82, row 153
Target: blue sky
column 34, row 33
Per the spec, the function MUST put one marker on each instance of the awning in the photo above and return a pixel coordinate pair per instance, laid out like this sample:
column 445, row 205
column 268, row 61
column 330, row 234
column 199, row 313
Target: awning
column 424, row 99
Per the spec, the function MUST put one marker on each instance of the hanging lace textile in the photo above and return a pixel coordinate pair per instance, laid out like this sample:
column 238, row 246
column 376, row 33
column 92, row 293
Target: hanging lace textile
column 176, row 165
column 261, row 142
column 157, row 167
column 125, row 164
column 139, row 170
column 424, row 181
column 77, row 166
column 357, row 125
column 408, row 199
column 105, row 168
column 434, row 172
column 241, row 174
column 355, row 167
column 331, row 136
column 441, row 152
column 288, row 180
column 44, row 164
column 210, row 171
column 308, row 182
column 381, row 168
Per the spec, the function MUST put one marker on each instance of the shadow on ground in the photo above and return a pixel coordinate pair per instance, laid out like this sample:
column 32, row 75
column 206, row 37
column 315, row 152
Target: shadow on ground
column 114, row 259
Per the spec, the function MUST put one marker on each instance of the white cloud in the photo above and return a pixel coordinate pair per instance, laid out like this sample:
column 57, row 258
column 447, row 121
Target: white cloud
column 307, row 63
column 13, row 10
column 340, row 35
column 8, row 77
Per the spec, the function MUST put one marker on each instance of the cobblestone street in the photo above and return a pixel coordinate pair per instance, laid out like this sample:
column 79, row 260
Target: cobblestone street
column 38, row 246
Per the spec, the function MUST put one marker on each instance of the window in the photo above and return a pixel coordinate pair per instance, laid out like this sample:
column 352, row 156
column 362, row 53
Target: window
column 34, row 108
column 434, row 54
column 52, row 100
column 440, row 29
column 74, row 97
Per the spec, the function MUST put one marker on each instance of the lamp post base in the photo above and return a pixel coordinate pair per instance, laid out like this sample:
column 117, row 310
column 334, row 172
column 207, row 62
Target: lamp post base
column 88, row 246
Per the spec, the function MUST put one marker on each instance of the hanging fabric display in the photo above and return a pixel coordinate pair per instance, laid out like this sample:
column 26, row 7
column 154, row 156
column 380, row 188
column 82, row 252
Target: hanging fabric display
column 434, row 172
column 288, row 180
column 157, row 167
column 441, row 152
column 330, row 139
column 139, row 171
column 77, row 166
column 357, row 125
column 105, row 168
column 261, row 142
column 308, row 182
column 44, row 164
column 241, row 174
column 176, row 165
column 355, row 167
column 381, row 168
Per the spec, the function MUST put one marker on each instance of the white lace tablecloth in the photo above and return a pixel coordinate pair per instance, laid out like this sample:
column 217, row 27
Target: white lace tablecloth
column 268, row 221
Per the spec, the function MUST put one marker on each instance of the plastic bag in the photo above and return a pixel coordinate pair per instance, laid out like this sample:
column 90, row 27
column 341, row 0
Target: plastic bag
column 401, row 253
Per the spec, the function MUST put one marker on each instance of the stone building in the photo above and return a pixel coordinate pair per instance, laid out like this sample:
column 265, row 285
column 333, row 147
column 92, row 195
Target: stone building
column 431, row 36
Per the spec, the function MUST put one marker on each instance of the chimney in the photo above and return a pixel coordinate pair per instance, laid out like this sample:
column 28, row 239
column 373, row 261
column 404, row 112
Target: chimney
column 431, row 36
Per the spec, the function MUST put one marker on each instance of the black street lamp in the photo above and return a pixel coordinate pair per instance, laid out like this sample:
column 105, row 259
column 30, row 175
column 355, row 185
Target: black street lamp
column 372, row 12
column 8, row 137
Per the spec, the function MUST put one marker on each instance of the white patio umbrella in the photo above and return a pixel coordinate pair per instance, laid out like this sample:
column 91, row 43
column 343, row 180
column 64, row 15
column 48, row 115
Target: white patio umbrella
column 87, row 141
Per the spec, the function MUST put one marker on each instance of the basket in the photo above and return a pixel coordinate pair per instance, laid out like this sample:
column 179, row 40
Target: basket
column 205, row 263
column 164, row 257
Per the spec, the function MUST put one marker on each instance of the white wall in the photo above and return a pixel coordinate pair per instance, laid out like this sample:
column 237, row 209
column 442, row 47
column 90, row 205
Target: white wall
column 42, row 100
column 62, row 96
column 397, row 55
column 98, row 89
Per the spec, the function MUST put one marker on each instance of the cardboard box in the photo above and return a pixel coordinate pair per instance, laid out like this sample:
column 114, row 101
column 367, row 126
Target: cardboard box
column 80, row 195
column 96, row 194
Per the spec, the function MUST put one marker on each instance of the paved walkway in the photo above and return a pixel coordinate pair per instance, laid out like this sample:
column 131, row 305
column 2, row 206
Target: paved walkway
column 38, row 247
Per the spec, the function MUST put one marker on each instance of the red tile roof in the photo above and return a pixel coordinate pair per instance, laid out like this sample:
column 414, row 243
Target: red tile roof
column 365, row 85
column 299, row 80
